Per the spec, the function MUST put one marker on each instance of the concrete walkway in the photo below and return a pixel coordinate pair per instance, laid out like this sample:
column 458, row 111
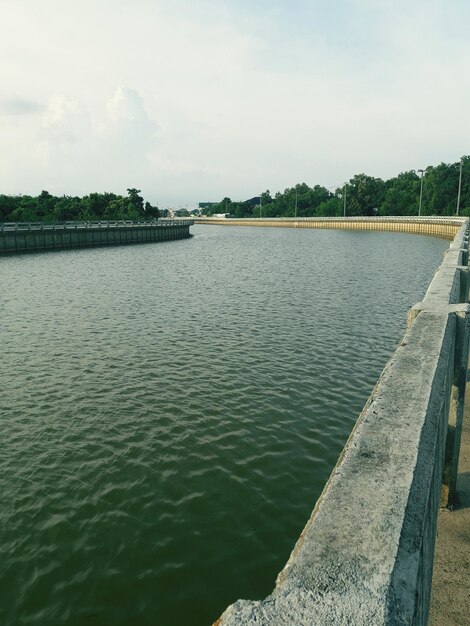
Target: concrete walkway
column 450, row 595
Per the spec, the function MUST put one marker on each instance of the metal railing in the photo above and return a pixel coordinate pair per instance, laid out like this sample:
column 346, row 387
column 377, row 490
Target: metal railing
column 69, row 225
column 435, row 219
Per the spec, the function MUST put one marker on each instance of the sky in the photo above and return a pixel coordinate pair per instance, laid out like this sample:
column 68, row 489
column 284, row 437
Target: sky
column 192, row 101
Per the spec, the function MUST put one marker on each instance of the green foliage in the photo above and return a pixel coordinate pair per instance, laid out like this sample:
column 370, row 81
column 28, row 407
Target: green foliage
column 27, row 210
column 401, row 195
column 96, row 206
column 465, row 191
column 332, row 207
column 365, row 195
column 440, row 190
column 151, row 212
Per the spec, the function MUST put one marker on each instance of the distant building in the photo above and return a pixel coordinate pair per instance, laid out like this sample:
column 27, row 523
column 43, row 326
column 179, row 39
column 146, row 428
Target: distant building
column 206, row 205
column 181, row 212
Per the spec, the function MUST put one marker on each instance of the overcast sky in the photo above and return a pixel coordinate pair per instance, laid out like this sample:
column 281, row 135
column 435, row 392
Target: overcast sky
column 193, row 100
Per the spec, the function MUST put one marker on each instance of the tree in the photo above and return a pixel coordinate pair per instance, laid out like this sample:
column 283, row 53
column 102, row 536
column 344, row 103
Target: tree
column 402, row 195
column 117, row 209
column 330, row 208
column 135, row 208
column 8, row 205
column 45, row 206
column 364, row 195
column 265, row 202
column 26, row 211
column 465, row 190
column 95, row 206
column 66, row 208
column 224, row 206
column 440, row 189
column 151, row 212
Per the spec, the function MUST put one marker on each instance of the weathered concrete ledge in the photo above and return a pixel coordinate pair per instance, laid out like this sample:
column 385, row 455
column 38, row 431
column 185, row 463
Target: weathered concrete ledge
column 37, row 237
column 445, row 227
column 366, row 553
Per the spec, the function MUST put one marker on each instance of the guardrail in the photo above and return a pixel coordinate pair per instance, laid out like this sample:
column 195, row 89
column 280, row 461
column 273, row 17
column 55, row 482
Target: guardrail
column 19, row 237
column 366, row 553
column 351, row 218
column 17, row 226
column 443, row 226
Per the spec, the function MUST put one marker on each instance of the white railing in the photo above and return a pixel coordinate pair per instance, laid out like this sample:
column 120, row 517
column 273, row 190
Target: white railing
column 22, row 226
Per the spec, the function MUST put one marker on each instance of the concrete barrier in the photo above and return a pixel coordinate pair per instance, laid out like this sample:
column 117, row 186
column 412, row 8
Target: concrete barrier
column 445, row 227
column 366, row 553
column 37, row 237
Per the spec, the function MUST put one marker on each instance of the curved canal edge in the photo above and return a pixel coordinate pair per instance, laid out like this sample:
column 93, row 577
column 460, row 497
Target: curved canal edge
column 445, row 227
column 366, row 553
column 16, row 237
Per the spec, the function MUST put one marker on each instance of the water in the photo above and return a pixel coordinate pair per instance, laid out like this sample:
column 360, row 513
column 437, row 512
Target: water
column 170, row 412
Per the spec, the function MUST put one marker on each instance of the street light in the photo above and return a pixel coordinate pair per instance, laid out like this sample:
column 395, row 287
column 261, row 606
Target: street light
column 421, row 192
column 296, row 203
column 344, row 199
column 460, row 186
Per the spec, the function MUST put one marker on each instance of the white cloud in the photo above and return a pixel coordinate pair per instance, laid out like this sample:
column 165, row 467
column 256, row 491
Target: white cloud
column 126, row 106
column 228, row 98
column 127, row 127
column 64, row 120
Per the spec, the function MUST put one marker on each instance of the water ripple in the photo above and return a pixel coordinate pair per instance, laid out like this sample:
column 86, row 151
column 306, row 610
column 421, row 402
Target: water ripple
column 170, row 413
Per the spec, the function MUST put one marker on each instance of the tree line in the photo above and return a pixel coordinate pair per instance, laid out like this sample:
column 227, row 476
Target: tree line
column 364, row 195
column 361, row 195
column 96, row 206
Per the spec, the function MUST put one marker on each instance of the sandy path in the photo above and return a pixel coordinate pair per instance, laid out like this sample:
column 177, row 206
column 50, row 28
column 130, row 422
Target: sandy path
column 450, row 595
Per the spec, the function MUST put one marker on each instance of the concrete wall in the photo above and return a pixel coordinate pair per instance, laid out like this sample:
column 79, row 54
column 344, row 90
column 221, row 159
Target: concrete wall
column 445, row 227
column 365, row 555
column 36, row 238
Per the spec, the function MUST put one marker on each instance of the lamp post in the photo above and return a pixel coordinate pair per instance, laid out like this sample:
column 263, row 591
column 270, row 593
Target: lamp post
column 460, row 187
column 295, row 213
column 421, row 192
column 260, row 204
column 344, row 199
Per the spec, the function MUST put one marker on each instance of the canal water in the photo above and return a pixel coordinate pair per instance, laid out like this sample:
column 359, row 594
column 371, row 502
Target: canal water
column 170, row 412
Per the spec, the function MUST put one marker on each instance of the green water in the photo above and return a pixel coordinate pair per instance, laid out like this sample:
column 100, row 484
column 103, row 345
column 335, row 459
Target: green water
column 170, row 412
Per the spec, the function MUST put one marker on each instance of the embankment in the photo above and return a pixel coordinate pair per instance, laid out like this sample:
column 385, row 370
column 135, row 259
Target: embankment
column 445, row 227
column 366, row 554
column 37, row 237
